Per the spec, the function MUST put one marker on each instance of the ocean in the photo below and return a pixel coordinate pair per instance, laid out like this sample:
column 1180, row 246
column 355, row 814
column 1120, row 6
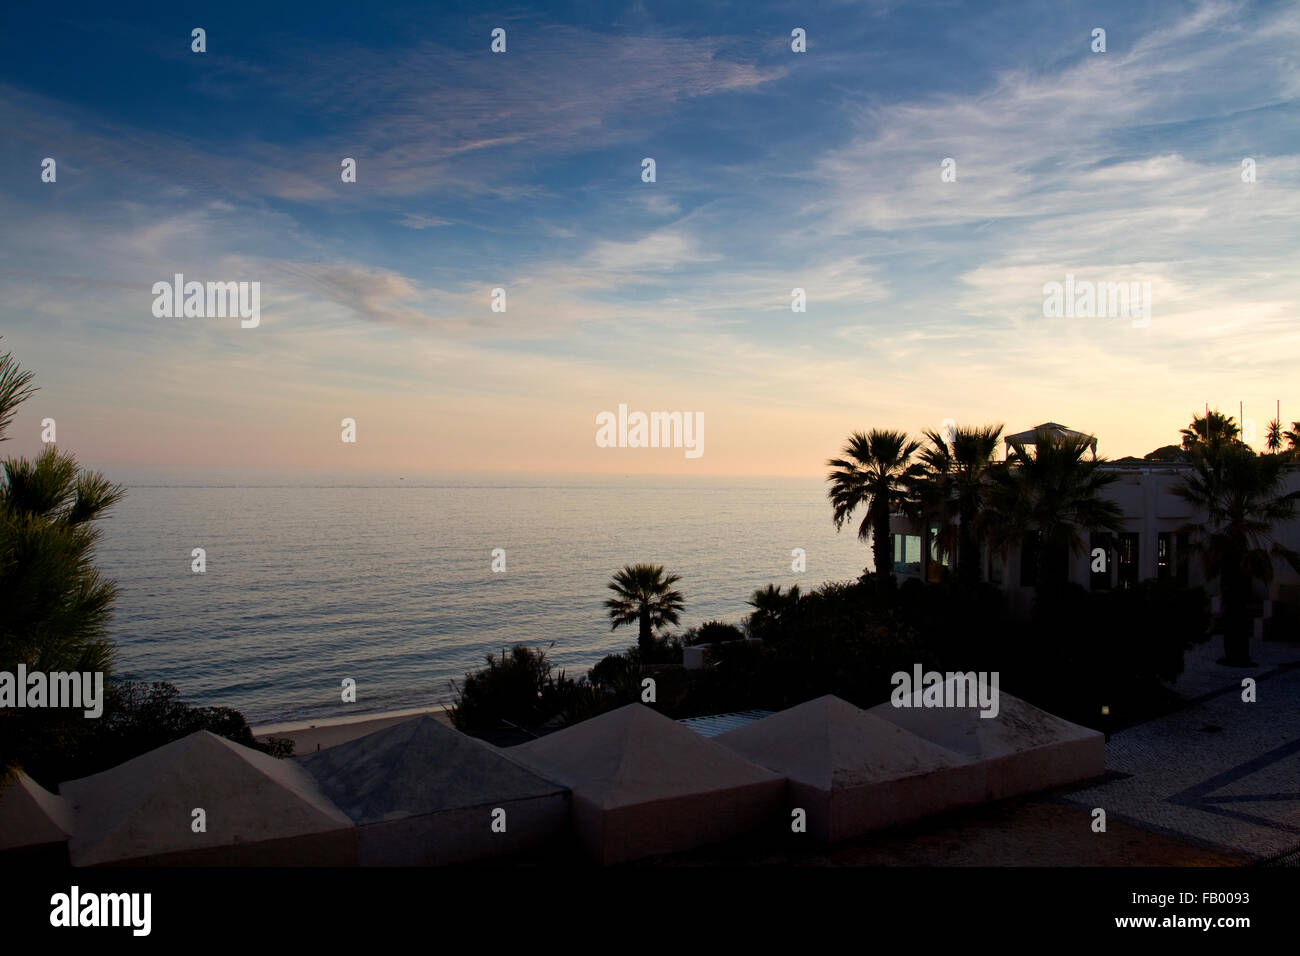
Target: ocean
column 388, row 580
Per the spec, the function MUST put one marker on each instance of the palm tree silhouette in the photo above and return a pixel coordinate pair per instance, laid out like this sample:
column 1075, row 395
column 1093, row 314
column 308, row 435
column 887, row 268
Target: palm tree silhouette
column 955, row 491
column 1292, row 436
column 644, row 595
column 1212, row 428
column 877, row 473
column 1273, row 437
column 770, row 605
column 1055, row 492
column 1239, row 492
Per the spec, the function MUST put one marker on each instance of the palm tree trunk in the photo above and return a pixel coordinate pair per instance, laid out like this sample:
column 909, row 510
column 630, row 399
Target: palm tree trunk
column 645, row 639
column 880, row 548
column 1236, row 621
column 1042, row 566
column 968, row 557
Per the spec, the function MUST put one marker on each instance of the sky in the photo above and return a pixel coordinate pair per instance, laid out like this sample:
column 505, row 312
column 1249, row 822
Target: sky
column 522, row 170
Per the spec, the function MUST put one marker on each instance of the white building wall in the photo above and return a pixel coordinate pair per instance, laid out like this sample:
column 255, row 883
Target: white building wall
column 1146, row 496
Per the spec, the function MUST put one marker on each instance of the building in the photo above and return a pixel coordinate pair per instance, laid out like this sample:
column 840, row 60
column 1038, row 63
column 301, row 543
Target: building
column 1155, row 542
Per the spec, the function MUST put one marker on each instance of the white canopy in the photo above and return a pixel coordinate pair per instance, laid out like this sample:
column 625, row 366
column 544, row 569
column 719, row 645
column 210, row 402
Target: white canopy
column 853, row 772
column 644, row 784
column 256, row 810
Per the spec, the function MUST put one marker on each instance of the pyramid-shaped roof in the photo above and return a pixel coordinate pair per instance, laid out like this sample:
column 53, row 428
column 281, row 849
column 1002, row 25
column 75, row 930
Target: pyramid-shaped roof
column 1059, row 432
column 144, row 806
column 635, row 755
column 30, row 815
column 1018, row 726
column 830, row 744
column 417, row 767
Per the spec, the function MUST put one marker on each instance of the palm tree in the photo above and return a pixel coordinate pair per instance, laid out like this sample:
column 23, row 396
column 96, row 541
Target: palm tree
column 955, row 491
column 1273, row 437
column 770, row 605
column 1212, row 428
column 644, row 595
column 1240, row 494
column 1056, row 493
column 876, row 474
column 1292, row 436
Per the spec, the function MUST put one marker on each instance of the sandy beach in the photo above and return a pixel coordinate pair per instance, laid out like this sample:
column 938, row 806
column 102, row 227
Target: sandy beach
column 309, row 736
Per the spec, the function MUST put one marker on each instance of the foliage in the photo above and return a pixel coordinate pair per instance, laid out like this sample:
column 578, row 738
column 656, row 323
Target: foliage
column 1098, row 658
column 644, row 596
column 874, row 473
column 770, row 606
column 954, row 492
column 56, row 604
column 1166, row 453
column 716, row 632
column 518, row 688
column 138, row 717
column 1055, row 493
column 1273, row 436
column 1241, row 495
column 1211, row 429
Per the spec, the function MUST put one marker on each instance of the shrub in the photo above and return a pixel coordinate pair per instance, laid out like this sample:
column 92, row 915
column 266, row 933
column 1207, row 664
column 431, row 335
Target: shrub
column 518, row 688
column 138, row 717
column 714, row 632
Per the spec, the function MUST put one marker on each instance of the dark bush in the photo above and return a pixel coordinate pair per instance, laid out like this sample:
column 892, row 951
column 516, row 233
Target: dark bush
column 517, row 689
column 714, row 632
column 138, row 717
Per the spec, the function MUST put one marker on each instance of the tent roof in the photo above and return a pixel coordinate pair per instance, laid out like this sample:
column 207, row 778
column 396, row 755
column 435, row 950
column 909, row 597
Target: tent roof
column 636, row 755
column 30, row 815
column 1018, row 726
column 143, row 807
column 830, row 744
column 417, row 767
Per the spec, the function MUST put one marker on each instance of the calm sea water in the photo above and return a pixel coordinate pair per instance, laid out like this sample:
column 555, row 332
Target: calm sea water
column 389, row 582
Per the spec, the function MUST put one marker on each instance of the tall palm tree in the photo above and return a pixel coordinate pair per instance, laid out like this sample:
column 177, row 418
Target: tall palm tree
column 1273, row 437
column 644, row 594
column 1056, row 492
column 955, row 490
column 876, row 473
column 1240, row 494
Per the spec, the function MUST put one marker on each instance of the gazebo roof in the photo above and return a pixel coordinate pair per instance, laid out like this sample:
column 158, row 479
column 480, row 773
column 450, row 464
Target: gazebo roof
column 1029, row 437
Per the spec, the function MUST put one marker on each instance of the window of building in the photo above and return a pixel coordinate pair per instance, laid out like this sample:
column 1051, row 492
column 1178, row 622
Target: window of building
column 1102, row 565
column 1126, row 559
column 907, row 553
column 1164, row 555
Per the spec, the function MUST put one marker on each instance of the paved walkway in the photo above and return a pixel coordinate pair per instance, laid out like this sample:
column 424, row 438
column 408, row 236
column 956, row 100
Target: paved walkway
column 1222, row 773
